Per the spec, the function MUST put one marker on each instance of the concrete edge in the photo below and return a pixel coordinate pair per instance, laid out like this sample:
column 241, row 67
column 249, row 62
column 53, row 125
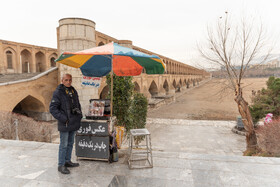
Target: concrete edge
column 30, row 79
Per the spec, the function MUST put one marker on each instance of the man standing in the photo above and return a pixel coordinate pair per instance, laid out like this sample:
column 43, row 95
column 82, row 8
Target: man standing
column 66, row 108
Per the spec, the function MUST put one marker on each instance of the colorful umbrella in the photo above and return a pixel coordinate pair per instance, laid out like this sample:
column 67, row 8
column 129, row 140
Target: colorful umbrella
column 99, row 61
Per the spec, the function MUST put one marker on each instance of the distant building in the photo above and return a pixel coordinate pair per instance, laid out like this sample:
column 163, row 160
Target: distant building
column 275, row 63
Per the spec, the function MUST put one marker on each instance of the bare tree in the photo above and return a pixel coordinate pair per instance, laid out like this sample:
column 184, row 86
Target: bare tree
column 234, row 49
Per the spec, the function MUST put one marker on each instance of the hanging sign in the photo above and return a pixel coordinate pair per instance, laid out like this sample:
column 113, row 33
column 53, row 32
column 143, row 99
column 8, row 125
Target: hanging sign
column 91, row 81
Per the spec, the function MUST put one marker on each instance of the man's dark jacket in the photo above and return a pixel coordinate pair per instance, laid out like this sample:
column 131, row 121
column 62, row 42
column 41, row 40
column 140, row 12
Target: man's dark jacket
column 60, row 108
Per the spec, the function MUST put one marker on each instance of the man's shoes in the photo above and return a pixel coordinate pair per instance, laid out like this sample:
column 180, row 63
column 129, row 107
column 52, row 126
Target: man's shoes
column 63, row 170
column 71, row 164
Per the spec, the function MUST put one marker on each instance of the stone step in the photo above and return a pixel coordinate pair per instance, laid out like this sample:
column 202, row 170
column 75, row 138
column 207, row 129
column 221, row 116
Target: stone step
column 15, row 77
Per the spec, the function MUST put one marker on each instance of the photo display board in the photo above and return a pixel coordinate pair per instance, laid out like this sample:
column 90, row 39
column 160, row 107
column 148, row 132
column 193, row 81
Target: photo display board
column 96, row 108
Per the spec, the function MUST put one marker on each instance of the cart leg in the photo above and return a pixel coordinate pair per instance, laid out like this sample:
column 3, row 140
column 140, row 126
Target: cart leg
column 150, row 147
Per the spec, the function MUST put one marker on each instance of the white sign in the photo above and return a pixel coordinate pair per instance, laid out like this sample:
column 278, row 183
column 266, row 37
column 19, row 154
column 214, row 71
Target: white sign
column 95, row 147
column 88, row 129
column 91, row 81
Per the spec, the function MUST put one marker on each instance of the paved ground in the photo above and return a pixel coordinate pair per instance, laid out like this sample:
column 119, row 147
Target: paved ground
column 196, row 136
column 208, row 101
column 185, row 153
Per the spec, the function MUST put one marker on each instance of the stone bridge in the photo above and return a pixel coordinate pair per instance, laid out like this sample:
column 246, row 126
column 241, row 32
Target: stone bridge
column 157, row 85
column 32, row 96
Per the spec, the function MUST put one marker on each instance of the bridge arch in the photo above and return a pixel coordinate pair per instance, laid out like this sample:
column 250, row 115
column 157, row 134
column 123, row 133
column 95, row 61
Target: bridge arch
column 100, row 44
column 10, row 58
column 104, row 93
column 166, row 87
column 185, row 83
column 188, row 83
column 136, row 87
column 174, row 84
column 30, row 106
column 11, row 48
column 52, row 58
column 26, row 61
column 180, row 83
column 153, row 89
column 40, row 62
column 193, row 82
column 197, row 81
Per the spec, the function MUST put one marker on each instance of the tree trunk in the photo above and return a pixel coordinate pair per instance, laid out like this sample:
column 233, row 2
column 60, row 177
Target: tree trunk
column 243, row 108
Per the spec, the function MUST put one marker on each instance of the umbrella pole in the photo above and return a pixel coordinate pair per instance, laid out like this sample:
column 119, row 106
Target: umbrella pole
column 112, row 78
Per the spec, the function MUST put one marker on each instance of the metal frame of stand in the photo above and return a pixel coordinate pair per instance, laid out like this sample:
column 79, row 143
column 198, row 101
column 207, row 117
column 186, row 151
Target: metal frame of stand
column 142, row 151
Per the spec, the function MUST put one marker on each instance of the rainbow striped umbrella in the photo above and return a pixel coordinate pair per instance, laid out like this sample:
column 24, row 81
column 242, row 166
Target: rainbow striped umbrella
column 99, row 61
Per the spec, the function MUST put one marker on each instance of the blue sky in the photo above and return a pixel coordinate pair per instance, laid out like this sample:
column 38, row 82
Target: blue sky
column 170, row 28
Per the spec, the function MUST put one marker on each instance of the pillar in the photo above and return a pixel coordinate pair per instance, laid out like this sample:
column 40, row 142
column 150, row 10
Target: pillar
column 161, row 90
column 76, row 34
column 18, row 57
column 47, row 61
column 2, row 56
column 32, row 64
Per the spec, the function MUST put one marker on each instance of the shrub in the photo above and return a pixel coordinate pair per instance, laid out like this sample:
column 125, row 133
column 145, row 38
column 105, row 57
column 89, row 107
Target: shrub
column 122, row 99
column 139, row 110
column 28, row 128
column 139, row 113
column 130, row 108
column 269, row 137
column 267, row 100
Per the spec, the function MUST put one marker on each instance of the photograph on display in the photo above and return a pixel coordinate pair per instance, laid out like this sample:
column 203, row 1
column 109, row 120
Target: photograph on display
column 96, row 108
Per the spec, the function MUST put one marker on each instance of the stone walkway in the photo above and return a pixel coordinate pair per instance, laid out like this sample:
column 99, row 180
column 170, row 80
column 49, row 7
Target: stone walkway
column 185, row 153
column 196, row 136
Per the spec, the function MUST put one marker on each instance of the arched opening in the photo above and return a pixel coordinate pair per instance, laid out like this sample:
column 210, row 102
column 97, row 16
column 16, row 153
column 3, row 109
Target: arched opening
column 136, row 87
column 153, row 89
column 143, row 70
column 166, row 86
column 185, row 83
column 9, row 55
column 179, row 86
column 193, row 81
column 40, row 62
column 100, row 44
column 25, row 61
column 180, row 83
column 53, row 64
column 188, row 83
column 31, row 107
column 104, row 93
column 174, row 84
column 176, row 87
column 52, row 58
